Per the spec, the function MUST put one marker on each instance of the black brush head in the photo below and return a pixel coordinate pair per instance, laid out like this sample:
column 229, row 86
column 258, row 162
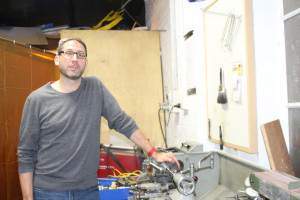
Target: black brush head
column 222, row 98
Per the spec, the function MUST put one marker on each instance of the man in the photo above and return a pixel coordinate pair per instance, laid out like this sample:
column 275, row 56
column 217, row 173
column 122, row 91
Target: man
column 58, row 151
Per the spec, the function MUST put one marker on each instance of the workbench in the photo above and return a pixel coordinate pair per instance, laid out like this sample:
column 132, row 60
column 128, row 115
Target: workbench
column 276, row 185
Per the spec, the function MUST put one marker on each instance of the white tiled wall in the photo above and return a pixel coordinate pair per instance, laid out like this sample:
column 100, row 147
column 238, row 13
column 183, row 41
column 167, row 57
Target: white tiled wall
column 270, row 68
column 184, row 68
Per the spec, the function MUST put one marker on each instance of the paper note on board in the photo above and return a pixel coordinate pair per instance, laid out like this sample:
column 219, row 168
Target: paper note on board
column 236, row 81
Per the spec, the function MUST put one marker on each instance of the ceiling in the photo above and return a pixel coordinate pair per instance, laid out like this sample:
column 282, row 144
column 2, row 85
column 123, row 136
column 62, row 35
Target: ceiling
column 75, row 13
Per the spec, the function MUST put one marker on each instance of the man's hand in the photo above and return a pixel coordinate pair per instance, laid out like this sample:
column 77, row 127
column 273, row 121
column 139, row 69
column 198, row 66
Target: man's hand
column 165, row 157
column 139, row 139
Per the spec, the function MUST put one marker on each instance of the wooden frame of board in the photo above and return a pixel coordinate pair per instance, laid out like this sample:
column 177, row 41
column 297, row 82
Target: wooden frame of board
column 237, row 119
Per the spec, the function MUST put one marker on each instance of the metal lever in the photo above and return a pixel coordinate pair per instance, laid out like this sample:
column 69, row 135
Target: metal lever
column 161, row 169
column 185, row 184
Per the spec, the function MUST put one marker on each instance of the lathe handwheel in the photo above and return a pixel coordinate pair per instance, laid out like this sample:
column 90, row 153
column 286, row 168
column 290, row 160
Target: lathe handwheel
column 186, row 185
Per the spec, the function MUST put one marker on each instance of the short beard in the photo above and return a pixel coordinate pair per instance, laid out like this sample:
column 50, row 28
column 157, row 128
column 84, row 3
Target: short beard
column 74, row 77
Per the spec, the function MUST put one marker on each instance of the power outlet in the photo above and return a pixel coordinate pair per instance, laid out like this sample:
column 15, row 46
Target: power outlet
column 174, row 98
column 165, row 106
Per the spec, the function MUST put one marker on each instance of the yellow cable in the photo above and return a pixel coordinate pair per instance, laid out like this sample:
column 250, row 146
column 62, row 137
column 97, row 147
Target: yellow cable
column 118, row 174
column 104, row 19
column 113, row 17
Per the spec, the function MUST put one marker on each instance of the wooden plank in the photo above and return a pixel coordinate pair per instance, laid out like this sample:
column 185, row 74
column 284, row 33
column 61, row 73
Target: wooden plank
column 276, row 147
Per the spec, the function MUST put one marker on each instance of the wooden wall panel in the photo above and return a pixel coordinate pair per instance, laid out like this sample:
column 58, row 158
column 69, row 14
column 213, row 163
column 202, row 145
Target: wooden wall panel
column 2, row 119
column 1, row 65
column 11, row 141
column 2, row 105
column 41, row 72
column 17, row 67
column 15, row 99
column 17, row 80
column 13, row 189
column 2, row 144
column 2, row 181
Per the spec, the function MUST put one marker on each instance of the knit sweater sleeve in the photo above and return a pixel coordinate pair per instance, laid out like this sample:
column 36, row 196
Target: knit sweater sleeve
column 28, row 137
column 116, row 117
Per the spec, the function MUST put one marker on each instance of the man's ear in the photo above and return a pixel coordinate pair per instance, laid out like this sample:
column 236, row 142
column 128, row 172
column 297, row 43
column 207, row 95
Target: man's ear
column 86, row 62
column 56, row 60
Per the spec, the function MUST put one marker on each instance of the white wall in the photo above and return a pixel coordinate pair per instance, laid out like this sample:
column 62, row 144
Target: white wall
column 184, row 68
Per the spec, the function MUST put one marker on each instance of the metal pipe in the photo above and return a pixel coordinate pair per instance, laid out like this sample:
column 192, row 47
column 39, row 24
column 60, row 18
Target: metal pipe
column 28, row 46
column 291, row 14
column 204, row 158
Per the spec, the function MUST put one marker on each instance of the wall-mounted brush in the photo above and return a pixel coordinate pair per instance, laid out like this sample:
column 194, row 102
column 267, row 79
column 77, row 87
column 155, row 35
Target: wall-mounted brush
column 222, row 98
column 221, row 138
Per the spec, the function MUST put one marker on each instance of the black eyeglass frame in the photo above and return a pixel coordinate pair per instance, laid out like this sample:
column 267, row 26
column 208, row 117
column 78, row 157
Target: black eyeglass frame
column 63, row 52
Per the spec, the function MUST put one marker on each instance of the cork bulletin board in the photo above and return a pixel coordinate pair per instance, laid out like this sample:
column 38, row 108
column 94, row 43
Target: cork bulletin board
column 230, row 49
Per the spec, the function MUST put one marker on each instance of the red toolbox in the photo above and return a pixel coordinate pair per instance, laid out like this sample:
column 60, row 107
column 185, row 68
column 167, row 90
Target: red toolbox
column 129, row 160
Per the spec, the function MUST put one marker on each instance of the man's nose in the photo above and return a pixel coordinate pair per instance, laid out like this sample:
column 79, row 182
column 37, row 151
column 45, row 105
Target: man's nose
column 74, row 57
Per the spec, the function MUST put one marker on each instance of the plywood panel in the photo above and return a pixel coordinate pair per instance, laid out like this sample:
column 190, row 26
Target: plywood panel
column 128, row 62
column 276, row 147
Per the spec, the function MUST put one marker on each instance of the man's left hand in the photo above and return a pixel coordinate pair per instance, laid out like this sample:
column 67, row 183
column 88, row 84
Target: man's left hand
column 165, row 157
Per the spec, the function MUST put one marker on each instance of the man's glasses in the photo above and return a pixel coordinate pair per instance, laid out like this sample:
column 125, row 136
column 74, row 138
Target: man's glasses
column 70, row 54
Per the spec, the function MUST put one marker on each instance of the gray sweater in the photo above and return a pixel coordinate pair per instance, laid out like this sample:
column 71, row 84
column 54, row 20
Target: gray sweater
column 60, row 134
